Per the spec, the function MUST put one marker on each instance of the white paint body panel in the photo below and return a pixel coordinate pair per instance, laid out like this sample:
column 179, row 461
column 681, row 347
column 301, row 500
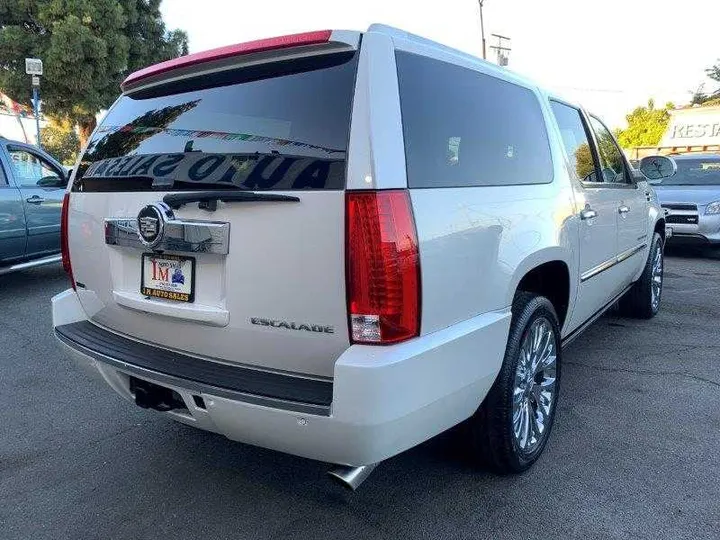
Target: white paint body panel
column 476, row 244
column 633, row 228
column 385, row 399
column 291, row 243
column 597, row 244
column 376, row 153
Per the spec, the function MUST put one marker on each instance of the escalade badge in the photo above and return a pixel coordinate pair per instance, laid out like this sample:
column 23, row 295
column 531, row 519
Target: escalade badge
column 151, row 223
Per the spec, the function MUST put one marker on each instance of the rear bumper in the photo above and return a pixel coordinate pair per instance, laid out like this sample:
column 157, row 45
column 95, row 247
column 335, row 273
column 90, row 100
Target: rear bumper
column 384, row 399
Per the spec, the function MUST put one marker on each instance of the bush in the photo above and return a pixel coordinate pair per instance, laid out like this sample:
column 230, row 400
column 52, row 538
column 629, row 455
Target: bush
column 61, row 142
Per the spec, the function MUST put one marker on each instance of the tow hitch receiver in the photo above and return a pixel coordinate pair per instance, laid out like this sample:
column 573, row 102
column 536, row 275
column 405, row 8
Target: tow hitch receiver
column 152, row 396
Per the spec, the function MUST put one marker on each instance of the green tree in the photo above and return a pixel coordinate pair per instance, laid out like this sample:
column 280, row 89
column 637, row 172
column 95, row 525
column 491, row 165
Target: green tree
column 700, row 97
column 713, row 73
column 87, row 46
column 646, row 126
column 60, row 141
column 584, row 163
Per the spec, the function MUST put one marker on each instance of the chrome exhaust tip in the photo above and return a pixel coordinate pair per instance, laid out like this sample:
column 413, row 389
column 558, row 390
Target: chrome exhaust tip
column 351, row 477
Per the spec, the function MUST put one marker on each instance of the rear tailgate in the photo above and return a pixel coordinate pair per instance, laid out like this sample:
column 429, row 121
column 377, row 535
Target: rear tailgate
column 256, row 281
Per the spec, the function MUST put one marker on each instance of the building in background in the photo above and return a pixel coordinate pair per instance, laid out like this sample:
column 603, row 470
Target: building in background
column 17, row 121
column 693, row 129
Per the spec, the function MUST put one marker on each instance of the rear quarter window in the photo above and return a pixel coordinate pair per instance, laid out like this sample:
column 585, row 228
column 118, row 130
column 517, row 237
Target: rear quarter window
column 463, row 128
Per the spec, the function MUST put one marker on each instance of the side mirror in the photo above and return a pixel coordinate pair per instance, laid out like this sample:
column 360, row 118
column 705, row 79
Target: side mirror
column 655, row 168
column 52, row 182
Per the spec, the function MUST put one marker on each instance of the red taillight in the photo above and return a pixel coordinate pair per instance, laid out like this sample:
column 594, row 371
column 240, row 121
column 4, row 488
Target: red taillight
column 383, row 267
column 260, row 45
column 64, row 238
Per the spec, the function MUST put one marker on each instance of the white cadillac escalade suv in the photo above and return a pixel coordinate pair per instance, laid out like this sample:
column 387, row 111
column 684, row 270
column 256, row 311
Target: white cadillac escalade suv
column 340, row 244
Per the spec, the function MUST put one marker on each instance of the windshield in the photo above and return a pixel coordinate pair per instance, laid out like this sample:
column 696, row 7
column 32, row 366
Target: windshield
column 695, row 172
column 282, row 126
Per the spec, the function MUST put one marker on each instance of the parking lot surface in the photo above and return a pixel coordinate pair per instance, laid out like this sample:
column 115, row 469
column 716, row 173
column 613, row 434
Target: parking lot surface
column 634, row 452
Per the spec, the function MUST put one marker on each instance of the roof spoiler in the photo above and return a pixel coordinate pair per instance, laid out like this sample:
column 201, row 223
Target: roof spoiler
column 307, row 43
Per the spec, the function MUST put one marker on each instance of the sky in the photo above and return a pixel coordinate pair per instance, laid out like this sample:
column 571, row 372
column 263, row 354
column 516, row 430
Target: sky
column 608, row 55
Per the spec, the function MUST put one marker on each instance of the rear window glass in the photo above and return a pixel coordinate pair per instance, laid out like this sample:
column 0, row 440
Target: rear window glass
column 272, row 127
column 463, row 128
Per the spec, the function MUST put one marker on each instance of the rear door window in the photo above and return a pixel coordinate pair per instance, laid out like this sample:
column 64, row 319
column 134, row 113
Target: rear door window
column 612, row 164
column 575, row 138
column 283, row 126
column 463, row 128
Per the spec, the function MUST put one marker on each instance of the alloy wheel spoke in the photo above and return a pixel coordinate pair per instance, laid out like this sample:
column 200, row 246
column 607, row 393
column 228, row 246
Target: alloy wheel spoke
column 518, row 395
column 538, row 425
column 543, row 399
column 525, row 426
column 517, row 421
column 546, row 352
column 535, row 384
column 656, row 279
column 550, row 359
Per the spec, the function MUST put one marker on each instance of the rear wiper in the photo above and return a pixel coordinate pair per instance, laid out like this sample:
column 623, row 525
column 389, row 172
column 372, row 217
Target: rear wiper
column 208, row 199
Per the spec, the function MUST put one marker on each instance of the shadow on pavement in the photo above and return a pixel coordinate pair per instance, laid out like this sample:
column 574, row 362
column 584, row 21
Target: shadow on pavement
column 693, row 252
column 25, row 281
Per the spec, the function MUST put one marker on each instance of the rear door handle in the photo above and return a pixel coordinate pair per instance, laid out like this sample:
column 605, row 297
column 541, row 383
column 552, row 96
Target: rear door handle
column 623, row 209
column 587, row 213
column 35, row 199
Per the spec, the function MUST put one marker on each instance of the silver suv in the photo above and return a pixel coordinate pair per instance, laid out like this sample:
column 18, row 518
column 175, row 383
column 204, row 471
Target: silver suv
column 691, row 198
column 341, row 244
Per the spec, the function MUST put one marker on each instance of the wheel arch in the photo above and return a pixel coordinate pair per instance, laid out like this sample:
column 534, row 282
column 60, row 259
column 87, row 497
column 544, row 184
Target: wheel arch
column 660, row 228
column 548, row 273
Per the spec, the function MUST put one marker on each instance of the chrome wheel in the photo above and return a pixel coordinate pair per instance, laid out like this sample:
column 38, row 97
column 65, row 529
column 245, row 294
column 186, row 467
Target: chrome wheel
column 535, row 386
column 656, row 278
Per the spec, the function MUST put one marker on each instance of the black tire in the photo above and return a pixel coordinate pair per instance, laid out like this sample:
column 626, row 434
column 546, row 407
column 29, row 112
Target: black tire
column 638, row 301
column 492, row 439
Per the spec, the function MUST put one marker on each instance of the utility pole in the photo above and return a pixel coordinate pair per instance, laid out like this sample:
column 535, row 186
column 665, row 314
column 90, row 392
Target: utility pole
column 482, row 28
column 502, row 49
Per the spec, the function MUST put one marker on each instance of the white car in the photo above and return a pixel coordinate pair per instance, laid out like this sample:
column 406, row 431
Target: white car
column 340, row 244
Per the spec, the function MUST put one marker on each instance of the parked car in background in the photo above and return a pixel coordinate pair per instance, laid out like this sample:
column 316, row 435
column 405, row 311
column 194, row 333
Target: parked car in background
column 691, row 197
column 339, row 245
column 32, row 185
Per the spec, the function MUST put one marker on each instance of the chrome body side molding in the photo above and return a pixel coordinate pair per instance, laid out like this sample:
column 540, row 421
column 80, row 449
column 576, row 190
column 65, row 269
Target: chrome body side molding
column 52, row 259
column 630, row 252
column 597, row 269
column 611, row 262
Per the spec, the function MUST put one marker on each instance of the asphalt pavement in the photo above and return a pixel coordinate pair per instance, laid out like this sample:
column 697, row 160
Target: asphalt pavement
column 634, row 453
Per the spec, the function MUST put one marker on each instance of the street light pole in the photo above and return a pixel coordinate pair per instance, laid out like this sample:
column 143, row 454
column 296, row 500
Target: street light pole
column 34, row 68
column 482, row 28
column 36, row 107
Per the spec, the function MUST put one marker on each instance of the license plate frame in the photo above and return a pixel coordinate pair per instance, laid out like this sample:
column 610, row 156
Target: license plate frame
column 175, row 292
